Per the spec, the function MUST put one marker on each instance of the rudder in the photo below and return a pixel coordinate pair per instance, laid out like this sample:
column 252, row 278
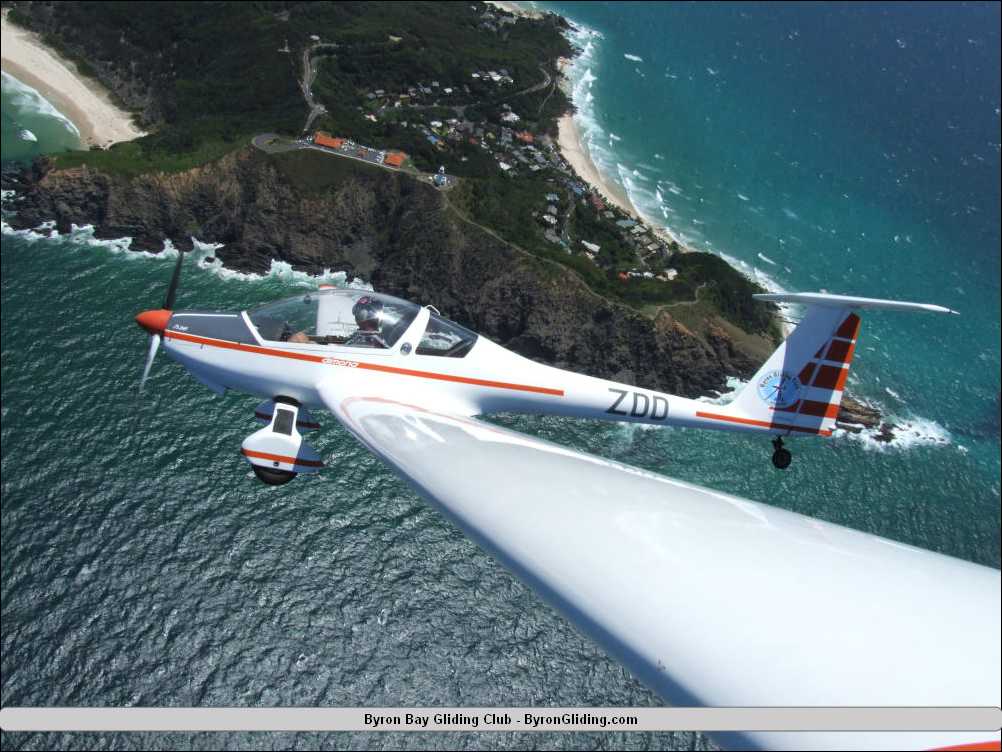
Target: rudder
column 799, row 388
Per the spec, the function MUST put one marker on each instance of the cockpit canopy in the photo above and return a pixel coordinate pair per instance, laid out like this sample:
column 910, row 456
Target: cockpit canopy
column 356, row 318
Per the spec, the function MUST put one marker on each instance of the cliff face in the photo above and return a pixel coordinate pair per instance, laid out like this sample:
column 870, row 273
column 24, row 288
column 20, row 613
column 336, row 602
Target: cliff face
column 402, row 236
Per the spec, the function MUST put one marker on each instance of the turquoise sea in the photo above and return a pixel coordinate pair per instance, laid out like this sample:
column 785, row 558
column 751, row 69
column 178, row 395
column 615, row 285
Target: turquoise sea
column 853, row 148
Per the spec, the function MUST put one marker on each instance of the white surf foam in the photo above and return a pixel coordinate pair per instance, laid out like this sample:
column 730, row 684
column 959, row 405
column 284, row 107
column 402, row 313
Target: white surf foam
column 25, row 98
column 203, row 254
column 634, row 58
column 732, row 389
column 908, row 434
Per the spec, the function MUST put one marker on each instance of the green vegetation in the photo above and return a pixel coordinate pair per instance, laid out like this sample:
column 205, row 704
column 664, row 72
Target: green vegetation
column 208, row 72
column 312, row 172
column 506, row 206
column 133, row 158
column 209, row 76
column 211, row 70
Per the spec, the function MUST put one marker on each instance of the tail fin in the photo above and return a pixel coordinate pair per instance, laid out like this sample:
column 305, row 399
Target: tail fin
column 799, row 388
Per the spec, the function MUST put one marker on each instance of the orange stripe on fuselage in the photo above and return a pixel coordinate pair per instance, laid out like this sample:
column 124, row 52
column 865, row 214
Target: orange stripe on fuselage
column 280, row 458
column 762, row 423
column 975, row 747
column 258, row 350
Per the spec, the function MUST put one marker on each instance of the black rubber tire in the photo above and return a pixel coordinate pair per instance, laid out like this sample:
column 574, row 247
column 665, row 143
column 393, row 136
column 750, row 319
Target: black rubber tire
column 781, row 459
column 272, row 477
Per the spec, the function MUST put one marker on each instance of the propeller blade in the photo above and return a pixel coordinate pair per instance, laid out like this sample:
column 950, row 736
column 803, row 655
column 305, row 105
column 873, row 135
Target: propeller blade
column 172, row 290
column 154, row 346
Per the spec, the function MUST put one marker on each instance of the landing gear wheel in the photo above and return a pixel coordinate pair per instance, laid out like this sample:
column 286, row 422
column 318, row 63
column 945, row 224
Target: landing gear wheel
column 272, row 477
column 781, row 458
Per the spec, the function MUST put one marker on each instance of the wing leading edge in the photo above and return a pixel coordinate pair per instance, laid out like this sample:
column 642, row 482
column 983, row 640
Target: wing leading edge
column 707, row 598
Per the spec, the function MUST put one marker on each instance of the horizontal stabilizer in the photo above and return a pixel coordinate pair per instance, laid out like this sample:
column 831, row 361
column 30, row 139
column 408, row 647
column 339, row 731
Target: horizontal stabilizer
column 848, row 301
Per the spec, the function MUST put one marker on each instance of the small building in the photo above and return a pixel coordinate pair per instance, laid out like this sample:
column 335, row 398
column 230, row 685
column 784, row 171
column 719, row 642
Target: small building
column 549, row 219
column 322, row 138
column 670, row 274
column 597, row 202
column 525, row 137
column 626, row 224
column 551, row 209
column 395, row 158
column 552, row 197
column 593, row 248
column 624, row 276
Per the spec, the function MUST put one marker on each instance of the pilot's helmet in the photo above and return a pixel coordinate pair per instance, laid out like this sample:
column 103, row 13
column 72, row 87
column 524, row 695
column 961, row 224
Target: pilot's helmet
column 367, row 311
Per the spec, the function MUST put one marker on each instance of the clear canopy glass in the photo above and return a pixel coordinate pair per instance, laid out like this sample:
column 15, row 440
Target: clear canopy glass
column 353, row 318
column 356, row 318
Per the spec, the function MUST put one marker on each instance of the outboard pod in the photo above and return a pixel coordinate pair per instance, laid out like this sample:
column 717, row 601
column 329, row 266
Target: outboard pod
column 277, row 453
column 304, row 420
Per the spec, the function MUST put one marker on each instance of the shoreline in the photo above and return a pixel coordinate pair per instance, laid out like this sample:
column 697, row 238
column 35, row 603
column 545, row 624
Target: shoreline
column 576, row 154
column 516, row 9
column 84, row 102
column 574, row 151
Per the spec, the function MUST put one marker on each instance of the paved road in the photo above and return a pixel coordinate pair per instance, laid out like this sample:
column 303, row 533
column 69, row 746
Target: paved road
column 306, row 85
column 272, row 143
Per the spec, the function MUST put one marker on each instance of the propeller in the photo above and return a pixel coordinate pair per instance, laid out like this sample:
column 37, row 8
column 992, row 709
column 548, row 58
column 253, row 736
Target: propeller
column 156, row 321
column 154, row 346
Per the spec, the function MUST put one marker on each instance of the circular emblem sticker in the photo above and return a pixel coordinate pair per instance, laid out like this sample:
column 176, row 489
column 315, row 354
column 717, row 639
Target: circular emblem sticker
column 779, row 389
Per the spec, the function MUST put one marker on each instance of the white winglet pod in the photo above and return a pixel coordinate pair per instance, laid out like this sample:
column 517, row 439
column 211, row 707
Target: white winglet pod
column 277, row 453
column 304, row 421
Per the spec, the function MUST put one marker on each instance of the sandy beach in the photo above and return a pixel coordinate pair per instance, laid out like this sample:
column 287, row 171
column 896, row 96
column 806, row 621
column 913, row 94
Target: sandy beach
column 81, row 100
column 576, row 153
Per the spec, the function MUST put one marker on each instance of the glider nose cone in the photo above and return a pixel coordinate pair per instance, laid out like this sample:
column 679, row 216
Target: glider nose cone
column 154, row 321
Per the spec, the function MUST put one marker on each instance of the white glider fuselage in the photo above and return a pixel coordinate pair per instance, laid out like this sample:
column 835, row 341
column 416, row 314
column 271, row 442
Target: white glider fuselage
column 288, row 348
column 488, row 379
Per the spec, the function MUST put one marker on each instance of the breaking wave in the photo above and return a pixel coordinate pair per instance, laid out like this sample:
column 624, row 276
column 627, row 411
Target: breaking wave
column 26, row 99
column 202, row 254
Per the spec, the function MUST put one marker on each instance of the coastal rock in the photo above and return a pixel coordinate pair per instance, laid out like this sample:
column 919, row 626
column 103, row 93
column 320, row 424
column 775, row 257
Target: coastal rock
column 855, row 416
column 401, row 235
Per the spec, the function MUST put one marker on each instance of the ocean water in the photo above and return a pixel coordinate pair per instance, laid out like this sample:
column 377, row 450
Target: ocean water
column 143, row 565
column 32, row 126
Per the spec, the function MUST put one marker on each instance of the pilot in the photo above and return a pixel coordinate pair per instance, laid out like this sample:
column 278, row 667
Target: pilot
column 368, row 313
column 288, row 335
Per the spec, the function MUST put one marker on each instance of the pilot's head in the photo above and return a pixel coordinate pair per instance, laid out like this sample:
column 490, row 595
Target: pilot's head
column 367, row 311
